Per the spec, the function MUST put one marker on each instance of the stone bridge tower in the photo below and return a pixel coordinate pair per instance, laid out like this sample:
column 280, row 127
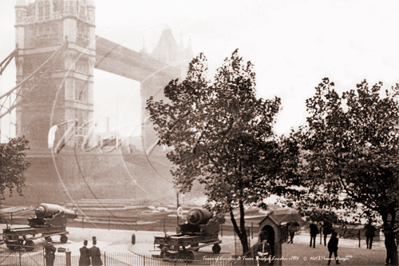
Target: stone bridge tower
column 63, row 89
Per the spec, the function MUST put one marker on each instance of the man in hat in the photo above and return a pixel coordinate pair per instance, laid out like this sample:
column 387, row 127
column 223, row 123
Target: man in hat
column 292, row 228
column 95, row 254
column 49, row 251
column 84, row 259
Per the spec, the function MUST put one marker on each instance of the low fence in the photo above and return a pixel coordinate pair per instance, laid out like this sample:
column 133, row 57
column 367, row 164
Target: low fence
column 114, row 259
column 137, row 223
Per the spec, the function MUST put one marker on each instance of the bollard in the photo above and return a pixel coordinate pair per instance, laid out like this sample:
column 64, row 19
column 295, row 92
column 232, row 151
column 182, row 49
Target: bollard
column 133, row 239
column 164, row 224
column 68, row 258
column 321, row 232
column 359, row 238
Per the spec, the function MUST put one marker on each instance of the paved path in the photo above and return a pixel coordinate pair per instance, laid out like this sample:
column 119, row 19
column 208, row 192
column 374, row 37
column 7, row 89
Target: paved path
column 304, row 238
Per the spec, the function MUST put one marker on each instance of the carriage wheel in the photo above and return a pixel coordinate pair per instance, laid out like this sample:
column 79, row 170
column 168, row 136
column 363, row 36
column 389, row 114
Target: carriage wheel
column 189, row 257
column 63, row 239
column 164, row 252
column 12, row 244
column 216, row 248
column 29, row 245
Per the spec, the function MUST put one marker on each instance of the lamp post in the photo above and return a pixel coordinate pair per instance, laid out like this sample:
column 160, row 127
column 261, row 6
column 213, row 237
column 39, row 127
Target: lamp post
column 177, row 206
column 177, row 211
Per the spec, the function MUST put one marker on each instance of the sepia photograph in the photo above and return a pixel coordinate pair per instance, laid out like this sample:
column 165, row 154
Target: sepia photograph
column 199, row 132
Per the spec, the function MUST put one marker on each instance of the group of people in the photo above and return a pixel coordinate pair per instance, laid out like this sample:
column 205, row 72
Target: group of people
column 88, row 256
column 314, row 231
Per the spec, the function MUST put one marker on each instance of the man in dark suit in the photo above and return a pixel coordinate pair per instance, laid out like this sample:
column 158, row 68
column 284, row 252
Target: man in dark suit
column 292, row 228
column 49, row 250
column 84, row 259
column 333, row 248
column 313, row 233
column 95, row 254
column 370, row 233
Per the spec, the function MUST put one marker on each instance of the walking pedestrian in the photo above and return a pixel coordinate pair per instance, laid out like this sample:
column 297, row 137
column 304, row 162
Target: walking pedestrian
column 370, row 233
column 333, row 248
column 313, row 233
column 84, row 259
column 292, row 228
column 327, row 229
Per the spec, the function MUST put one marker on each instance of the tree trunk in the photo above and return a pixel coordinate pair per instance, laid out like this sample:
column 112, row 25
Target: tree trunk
column 243, row 238
column 392, row 249
column 240, row 231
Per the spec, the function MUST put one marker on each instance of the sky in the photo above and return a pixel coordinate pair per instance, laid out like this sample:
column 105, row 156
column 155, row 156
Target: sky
column 293, row 44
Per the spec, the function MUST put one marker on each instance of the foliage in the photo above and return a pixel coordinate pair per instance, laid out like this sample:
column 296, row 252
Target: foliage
column 350, row 149
column 220, row 135
column 13, row 165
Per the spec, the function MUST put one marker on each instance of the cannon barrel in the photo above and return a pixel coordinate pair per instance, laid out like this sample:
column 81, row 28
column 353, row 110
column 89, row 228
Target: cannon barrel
column 46, row 210
column 198, row 216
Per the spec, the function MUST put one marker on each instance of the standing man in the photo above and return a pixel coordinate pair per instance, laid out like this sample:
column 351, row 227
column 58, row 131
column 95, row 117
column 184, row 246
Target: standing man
column 292, row 228
column 264, row 254
column 370, row 233
column 333, row 248
column 49, row 251
column 389, row 242
column 313, row 233
column 84, row 259
column 95, row 254
column 327, row 229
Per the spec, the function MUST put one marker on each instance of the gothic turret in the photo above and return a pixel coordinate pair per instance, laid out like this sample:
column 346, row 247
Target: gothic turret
column 166, row 48
column 21, row 3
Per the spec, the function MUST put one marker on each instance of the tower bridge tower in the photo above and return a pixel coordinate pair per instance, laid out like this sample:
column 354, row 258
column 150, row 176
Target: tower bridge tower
column 57, row 53
column 65, row 92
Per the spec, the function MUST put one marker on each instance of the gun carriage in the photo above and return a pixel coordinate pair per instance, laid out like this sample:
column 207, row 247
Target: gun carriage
column 49, row 220
column 200, row 230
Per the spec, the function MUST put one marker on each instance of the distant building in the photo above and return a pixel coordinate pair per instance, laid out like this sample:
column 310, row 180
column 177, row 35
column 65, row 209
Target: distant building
column 169, row 52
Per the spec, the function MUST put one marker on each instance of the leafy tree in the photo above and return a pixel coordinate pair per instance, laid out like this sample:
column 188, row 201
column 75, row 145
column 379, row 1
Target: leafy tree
column 13, row 165
column 350, row 149
column 220, row 135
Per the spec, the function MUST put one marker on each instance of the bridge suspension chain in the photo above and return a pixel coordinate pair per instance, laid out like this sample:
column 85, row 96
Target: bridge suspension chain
column 5, row 62
column 15, row 95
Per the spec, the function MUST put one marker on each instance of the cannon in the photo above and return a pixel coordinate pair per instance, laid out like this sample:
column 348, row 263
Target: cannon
column 51, row 215
column 49, row 220
column 201, row 229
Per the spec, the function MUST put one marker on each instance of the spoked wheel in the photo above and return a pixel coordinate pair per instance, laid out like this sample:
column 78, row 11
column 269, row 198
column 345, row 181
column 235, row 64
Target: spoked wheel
column 216, row 248
column 188, row 257
column 12, row 244
column 29, row 245
column 63, row 239
column 173, row 256
column 164, row 252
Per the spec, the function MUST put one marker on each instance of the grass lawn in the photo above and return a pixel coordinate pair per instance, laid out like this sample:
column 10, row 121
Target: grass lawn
column 302, row 254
